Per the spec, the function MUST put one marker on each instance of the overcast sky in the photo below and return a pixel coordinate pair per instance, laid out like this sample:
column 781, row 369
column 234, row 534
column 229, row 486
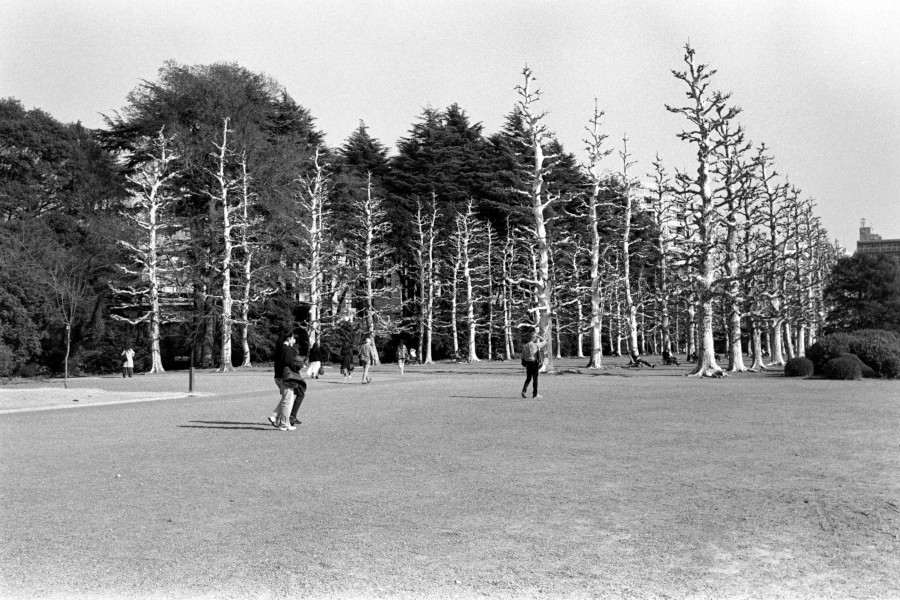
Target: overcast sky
column 818, row 80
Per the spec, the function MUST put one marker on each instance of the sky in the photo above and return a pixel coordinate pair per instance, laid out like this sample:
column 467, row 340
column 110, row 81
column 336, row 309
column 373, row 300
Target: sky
column 818, row 81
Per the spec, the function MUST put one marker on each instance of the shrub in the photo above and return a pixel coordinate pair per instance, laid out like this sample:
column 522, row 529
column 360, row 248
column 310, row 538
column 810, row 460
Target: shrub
column 878, row 349
column 866, row 370
column 826, row 348
column 843, row 367
column 798, row 367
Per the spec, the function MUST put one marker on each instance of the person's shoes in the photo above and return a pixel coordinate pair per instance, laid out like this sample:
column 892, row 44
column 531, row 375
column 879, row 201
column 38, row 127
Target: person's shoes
column 523, row 395
column 295, row 422
column 272, row 421
column 537, row 396
column 652, row 366
column 287, row 428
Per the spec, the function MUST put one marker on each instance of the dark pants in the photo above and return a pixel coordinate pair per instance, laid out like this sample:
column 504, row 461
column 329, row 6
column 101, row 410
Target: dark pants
column 127, row 371
column 299, row 395
column 531, row 373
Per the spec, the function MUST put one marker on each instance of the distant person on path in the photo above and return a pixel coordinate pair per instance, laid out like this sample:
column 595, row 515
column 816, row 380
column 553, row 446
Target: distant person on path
column 412, row 355
column 531, row 358
column 367, row 358
column 401, row 356
column 347, row 360
column 128, row 364
column 285, row 354
column 315, row 361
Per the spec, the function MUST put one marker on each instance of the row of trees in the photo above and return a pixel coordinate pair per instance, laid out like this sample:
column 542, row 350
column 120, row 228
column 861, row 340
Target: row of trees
column 216, row 217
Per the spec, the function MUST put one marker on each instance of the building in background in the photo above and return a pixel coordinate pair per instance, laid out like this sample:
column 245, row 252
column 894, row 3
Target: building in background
column 871, row 243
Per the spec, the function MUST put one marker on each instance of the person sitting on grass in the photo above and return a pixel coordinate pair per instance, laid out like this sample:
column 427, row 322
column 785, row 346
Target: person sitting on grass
column 669, row 358
column 637, row 361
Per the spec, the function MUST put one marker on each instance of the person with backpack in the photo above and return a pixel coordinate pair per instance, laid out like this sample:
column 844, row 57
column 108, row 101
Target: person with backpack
column 532, row 358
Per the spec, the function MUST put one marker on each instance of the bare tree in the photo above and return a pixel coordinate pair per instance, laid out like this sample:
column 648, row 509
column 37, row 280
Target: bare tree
column 706, row 112
column 536, row 134
column 220, row 194
column 371, row 253
column 313, row 220
column 468, row 233
column 594, row 145
column 662, row 209
column 425, row 262
column 628, row 210
column 151, row 198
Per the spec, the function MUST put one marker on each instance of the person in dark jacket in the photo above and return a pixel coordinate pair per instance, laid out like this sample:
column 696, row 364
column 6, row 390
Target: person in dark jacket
column 285, row 355
column 315, row 361
column 347, row 360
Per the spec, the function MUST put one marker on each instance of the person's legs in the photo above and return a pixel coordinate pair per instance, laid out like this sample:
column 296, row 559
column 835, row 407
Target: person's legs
column 365, row 376
column 130, row 371
column 281, row 416
column 529, row 373
column 401, row 362
column 299, row 395
column 536, row 368
column 124, row 372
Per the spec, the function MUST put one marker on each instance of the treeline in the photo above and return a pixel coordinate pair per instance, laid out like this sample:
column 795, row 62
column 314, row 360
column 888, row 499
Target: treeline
column 208, row 216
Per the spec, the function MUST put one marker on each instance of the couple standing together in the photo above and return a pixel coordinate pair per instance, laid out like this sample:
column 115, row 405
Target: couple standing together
column 288, row 363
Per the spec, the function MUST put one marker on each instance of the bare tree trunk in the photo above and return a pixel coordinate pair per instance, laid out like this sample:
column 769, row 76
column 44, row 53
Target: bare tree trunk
column 156, row 365
column 788, row 341
column 224, row 187
column 536, row 133
column 775, row 343
column 507, row 292
column 691, row 328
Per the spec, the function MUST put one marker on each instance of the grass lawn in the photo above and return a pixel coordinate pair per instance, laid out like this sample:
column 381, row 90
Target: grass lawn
column 445, row 483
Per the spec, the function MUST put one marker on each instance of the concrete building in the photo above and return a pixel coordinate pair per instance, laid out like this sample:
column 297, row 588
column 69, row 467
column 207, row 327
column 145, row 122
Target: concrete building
column 871, row 243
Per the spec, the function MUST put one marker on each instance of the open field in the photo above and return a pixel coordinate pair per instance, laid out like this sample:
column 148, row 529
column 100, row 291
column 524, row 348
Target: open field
column 446, row 484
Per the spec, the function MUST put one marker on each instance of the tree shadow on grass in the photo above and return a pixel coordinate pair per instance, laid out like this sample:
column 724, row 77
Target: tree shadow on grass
column 226, row 425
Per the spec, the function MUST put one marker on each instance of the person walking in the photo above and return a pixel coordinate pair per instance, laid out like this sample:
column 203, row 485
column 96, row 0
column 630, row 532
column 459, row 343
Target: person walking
column 128, row 364
column 532, row 359
column 401, row 356
column 347, row 360
column 285, row 355
column 367, row 357
column 297, row 387
column 315, row 362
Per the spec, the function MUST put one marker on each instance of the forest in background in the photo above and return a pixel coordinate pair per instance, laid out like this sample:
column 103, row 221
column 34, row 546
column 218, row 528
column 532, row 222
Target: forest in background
column 208, row 217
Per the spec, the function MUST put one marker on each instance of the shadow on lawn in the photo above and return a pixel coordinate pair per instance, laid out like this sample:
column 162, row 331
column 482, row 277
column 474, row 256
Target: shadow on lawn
column 226, row 425
column 484, row 397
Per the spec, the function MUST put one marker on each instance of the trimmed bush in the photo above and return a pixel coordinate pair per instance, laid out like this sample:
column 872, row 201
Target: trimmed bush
column 878, row 349
column 843, row 368
column 867, row 371
column 798, row 367
column 826, row 348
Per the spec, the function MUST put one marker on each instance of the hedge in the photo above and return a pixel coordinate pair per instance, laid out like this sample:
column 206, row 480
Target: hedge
column 878, row 349
column 799, row 367
column 843, row 368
